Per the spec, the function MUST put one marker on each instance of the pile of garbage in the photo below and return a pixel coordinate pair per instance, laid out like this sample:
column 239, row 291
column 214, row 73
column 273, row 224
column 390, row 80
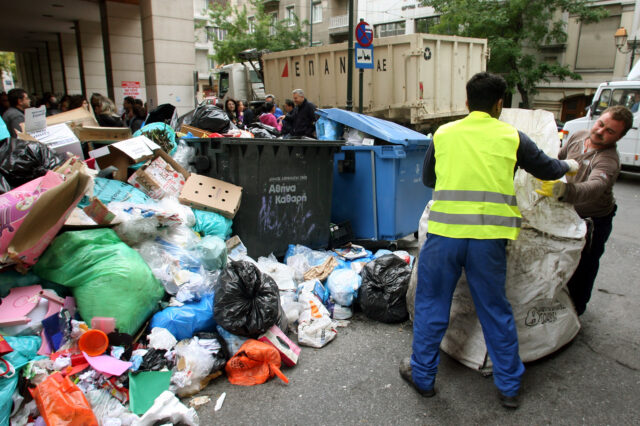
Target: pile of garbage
column 123, row 289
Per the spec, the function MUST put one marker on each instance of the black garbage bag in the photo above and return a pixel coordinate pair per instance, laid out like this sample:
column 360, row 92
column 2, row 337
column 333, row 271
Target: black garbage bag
column 23, row 161
column 259, row 125
column 211, row 118
column 382, row 295
column 246, row 302
column 260, row 133
column 155, row 360
column 161, row 114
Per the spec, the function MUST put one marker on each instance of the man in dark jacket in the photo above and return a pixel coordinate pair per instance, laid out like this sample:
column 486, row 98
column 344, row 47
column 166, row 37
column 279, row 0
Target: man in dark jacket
column 305, row 117
column 19, row 101
column 288, row 117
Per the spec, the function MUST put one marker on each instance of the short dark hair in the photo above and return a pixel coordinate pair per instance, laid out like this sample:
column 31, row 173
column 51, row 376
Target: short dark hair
column 290, row 103
column 138, row 102
column 130, row 100
column 620, row 113
column 15, row 95
column 268, row 106
column 484, row 90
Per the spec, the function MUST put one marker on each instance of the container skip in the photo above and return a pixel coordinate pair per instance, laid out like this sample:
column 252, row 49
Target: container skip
column 378, row 188
column 417, row 79
column 286, row 188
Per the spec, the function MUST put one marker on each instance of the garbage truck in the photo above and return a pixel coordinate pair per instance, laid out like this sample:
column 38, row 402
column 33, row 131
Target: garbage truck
column 417, row 80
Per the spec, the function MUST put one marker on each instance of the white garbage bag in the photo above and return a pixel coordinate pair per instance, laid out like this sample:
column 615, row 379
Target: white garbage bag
column 539, row 265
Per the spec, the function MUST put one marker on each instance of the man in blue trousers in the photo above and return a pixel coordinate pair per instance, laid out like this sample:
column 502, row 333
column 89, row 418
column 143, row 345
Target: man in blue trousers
column 471, row 165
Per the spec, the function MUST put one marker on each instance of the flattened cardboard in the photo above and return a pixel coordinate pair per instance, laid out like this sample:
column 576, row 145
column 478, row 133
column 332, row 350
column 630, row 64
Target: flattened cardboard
column 205, row 193
column 79, row 116
column 45, row 219
column 123, row 154
column 88, row 133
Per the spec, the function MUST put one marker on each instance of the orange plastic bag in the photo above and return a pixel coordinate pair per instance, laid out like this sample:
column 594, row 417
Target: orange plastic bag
column 60, row 402
column 254, row 363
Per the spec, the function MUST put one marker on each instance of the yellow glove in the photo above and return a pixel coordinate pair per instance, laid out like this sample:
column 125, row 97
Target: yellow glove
column 552, row 188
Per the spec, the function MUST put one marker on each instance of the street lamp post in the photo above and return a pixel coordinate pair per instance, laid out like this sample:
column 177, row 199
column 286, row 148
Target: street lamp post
column 621, row 39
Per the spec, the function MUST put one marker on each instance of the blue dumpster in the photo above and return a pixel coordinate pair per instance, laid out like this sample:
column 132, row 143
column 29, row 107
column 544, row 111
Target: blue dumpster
column 379, row 188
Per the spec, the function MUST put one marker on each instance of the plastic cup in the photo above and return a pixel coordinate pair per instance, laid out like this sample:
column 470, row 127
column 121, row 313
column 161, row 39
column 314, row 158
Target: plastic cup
column 93, row 342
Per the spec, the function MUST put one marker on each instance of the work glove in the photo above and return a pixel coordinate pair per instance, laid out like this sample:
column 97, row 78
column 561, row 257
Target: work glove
column 552, row 188
column 573, row 167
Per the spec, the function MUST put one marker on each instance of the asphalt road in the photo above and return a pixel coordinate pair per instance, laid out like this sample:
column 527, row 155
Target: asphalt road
column 354, row 380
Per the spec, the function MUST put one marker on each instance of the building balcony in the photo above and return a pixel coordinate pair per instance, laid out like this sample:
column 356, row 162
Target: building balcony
column 271, row 4
column 339, row 24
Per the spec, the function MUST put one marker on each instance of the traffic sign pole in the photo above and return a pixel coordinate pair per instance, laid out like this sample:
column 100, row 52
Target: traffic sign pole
column 360, row 85
column 350, row 60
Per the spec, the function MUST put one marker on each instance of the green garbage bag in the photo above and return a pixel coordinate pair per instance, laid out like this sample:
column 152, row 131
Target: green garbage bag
column 107, row 277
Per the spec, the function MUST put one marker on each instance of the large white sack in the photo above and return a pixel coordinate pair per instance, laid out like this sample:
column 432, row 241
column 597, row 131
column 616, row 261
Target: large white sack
column 539, row 265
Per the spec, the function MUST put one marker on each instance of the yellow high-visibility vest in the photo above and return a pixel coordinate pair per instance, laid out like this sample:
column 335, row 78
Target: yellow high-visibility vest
column 474, row 194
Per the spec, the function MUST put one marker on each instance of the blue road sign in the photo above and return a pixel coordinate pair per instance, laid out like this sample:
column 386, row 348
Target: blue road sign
column 364, row 57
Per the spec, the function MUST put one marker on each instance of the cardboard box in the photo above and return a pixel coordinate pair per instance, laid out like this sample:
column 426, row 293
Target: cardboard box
column 123, row 154
column 289, row 351
column 198, row 133
column 205, row 193
column 160, row 177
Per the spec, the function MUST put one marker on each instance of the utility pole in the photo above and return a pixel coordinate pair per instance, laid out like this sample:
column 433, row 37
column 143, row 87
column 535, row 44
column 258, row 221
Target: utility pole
column 350, row 60
column 310, row 23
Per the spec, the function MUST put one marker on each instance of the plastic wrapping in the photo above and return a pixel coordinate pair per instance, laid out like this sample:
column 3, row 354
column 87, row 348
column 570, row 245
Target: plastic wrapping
column 281, row 273
column 185, row 155
column 212, row 251
column 383, row 293
column 109, row 410
column 212, row 223
column 161, row 338
column 108, row 278
column 185, row 321
column 22, row 161
column 343, row 285
column 247, row 302
column 211, row 118
column 193, row 364
column 174, row 261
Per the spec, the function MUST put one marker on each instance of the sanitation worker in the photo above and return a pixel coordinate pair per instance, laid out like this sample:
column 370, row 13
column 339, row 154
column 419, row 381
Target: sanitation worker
column 471, row 165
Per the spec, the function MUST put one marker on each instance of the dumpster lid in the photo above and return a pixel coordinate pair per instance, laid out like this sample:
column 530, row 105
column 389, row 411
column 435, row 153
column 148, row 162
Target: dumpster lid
column 376, row 127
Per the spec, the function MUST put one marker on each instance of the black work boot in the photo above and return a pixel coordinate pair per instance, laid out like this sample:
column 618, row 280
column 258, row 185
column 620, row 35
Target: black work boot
column 510, row 402
column 405, row 373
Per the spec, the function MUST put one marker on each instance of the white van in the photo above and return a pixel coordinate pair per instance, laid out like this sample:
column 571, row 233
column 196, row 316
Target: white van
column 611, row 93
